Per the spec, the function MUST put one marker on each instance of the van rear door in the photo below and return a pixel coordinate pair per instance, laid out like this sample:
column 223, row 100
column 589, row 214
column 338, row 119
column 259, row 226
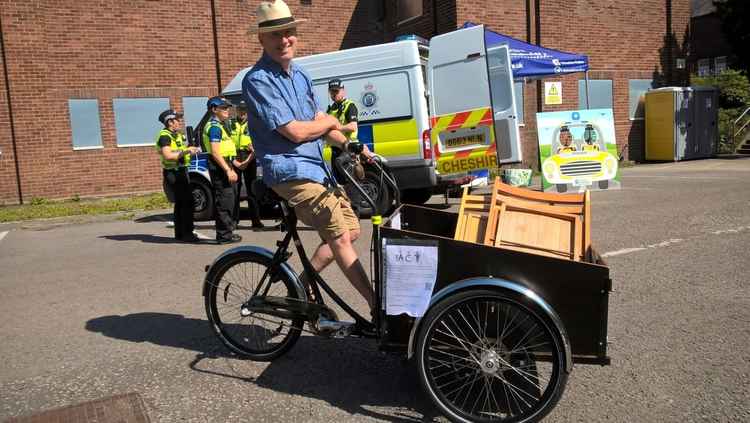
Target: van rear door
column 473, row 112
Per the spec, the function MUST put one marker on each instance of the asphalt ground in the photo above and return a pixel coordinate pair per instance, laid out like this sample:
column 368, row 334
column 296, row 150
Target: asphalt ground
column 105, row 307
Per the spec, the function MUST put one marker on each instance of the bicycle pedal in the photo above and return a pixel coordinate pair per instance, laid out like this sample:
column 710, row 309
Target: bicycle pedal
column 334, row 328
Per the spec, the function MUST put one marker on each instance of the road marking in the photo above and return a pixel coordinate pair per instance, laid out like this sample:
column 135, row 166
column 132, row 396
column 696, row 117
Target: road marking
column 623, row 251
column 2, row 235
column 672, row 241
column 632, row 250
column 731, row 231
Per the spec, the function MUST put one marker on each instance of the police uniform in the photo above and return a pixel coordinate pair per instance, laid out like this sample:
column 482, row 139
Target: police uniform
column 243, row 143
column 345, row 111
column 176, row 177
column 224, row 191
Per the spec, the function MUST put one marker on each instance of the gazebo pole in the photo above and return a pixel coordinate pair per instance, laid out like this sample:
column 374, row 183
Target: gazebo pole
column 587, row 90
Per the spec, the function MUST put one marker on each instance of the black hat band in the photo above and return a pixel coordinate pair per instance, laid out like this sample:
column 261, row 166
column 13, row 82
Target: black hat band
column 276, row 22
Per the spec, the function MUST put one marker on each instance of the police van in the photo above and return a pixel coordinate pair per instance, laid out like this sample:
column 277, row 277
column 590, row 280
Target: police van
column 433, row 111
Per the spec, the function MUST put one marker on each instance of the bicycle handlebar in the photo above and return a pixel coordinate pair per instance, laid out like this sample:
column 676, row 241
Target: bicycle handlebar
column 345, row 162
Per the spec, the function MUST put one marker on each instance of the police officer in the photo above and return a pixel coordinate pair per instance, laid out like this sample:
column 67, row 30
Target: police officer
column 217, row 142
column 175, row 157
column 245, row 166
column 345, row 111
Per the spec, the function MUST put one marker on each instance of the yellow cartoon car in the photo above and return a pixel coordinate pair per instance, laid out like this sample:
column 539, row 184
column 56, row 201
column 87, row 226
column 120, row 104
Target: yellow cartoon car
column 580, row 162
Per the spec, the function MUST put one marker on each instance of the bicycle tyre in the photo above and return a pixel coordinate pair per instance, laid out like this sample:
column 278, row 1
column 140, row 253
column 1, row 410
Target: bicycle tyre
column 230, row 282
column 483, row 346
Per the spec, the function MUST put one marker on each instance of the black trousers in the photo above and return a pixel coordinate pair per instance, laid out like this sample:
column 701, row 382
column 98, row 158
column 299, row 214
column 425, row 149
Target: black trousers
column 225, row 193
column 179, row 182
column 247, row 177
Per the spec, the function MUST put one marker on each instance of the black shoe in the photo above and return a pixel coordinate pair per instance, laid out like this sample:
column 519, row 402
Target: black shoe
column 233, row 239
column 190, row 238
column 258, row 225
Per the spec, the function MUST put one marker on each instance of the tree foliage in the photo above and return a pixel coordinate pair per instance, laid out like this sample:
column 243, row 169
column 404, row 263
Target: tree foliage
column 736, row 26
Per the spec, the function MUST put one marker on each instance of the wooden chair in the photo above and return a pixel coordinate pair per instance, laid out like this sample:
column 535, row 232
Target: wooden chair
column 544, row 223
column 472, row 217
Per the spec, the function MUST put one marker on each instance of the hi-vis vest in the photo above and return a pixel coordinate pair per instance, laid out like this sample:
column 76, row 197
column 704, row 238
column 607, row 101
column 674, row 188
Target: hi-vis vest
column 177, row 143
column 240, row 136
column 227, row 146
column 340, row 114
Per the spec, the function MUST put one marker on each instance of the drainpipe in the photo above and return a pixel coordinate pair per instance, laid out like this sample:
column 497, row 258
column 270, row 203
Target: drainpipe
column 10, row 113
column 216, row 45
column 434, row 18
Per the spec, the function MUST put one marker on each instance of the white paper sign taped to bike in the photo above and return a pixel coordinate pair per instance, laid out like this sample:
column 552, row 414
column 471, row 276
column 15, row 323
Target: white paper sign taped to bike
column 410, row 275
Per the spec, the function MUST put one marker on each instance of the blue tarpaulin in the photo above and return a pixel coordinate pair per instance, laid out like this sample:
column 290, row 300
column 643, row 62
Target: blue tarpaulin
column 532, row 61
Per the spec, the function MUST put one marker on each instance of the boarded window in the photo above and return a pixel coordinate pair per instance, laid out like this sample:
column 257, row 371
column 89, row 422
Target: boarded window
column 194, row 108
column 137, row 120
column 600, row 94
column 636, row 97
column 84, row 123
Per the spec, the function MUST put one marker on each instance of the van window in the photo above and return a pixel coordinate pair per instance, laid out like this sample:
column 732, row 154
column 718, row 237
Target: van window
column 453, row 80
column 500, row 87
column 377, row 97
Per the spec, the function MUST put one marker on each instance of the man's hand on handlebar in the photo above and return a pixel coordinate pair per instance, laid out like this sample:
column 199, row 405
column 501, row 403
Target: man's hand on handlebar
column 355, row 147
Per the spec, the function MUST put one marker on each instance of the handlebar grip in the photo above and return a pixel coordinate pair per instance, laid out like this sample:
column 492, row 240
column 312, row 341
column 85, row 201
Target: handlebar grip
column 355, row 147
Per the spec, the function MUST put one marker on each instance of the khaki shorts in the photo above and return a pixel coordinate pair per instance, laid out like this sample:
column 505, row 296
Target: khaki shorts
column 327, row 210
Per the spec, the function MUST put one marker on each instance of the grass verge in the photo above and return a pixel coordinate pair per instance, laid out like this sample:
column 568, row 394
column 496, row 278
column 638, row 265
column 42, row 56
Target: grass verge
column 44, row 209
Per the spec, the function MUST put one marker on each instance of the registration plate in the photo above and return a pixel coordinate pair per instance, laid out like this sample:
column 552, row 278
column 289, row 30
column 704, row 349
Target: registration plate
column 474, row 139
column 581, row 182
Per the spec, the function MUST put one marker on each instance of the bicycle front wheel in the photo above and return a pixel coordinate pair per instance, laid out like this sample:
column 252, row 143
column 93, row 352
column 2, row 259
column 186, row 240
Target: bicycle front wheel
column 230, row 284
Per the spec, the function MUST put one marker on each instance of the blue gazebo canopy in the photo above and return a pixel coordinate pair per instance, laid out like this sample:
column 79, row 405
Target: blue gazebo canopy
column 532, row 61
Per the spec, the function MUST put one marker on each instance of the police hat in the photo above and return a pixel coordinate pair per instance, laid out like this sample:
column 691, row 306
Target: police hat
column 168, row 115
column 241, row 105
column 335, row 84
column 217, row 102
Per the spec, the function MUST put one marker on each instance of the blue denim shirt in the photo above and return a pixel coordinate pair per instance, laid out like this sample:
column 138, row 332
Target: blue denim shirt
column 275, row 98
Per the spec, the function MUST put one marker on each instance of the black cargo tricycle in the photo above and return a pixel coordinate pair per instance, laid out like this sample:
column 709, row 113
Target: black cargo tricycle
column 496, row 342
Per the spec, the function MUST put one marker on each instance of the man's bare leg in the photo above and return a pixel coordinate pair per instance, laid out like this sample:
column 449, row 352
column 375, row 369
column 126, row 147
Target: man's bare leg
column 346, row 257
column 323, row 255
column 342, row 250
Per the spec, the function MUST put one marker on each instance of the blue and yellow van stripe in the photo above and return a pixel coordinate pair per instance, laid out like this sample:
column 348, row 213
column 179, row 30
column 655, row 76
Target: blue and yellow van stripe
column 396, row 138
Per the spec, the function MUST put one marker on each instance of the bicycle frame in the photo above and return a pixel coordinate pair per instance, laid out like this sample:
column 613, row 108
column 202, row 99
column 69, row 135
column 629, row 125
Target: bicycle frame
column 289, row 221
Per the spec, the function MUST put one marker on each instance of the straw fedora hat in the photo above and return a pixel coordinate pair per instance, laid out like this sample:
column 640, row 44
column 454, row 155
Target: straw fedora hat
column 275, row 16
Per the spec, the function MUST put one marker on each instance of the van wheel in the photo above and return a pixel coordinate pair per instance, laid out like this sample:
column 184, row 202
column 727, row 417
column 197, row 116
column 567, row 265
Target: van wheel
column 203, row 200
column 562, row 187
column 380, row 194
column 604, row 184
column 416, row 195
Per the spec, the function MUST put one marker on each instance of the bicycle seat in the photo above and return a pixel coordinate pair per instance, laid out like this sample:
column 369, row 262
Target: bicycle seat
column 264, row 194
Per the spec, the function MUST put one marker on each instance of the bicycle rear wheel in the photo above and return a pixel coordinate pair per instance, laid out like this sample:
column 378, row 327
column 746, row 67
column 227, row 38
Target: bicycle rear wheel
column 491, row 356
column 230, row 283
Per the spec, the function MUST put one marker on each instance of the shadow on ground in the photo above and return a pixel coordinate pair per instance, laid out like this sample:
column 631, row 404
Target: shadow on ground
column 147, row 238
column 163, row 217
column 349, row 374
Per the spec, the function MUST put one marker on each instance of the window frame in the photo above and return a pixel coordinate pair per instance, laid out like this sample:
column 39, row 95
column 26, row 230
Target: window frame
column 707, row 63
column 717, row 61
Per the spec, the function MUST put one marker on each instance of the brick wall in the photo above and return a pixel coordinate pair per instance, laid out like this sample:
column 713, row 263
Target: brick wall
column 58, row 50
